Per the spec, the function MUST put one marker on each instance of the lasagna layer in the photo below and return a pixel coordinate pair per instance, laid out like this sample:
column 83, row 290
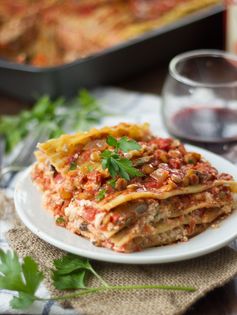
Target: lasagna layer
column 127, row 190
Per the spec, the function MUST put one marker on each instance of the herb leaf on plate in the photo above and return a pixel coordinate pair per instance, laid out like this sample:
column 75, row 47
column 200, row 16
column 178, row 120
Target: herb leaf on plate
column 124, row 144
column 116, row 163
column 101, row 195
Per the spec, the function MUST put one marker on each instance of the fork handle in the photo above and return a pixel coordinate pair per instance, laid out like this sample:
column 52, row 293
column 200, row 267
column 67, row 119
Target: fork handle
column 6, row 180
column 10, row 169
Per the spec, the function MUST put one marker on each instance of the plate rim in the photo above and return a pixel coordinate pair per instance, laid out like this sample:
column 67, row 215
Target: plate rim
column 114, row 257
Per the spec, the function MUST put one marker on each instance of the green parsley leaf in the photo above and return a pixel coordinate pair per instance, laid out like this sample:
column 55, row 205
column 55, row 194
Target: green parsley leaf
column 108, row 161
column 86, row 111
column 112, row 141
column 32, row 275
column 22, row 301
column 17, row 277
column 101, row 195
column 12, row 139
column 108, row 154
column 10, row 272
column 118, row 165
column 124, row 144
column 73, row 166
column 70, row 272
column 71, row 281
column 112, row 182
column 70, row 263
column 60, row 220
column 87, row 100
column 127, row 145
column 90, row 168
column 57, row 116
column 25, row 278
column 113, row 168
column 126, row 166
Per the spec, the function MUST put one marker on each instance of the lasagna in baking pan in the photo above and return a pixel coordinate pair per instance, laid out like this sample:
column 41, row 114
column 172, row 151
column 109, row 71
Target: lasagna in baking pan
column 126, row 189
column 52, row 32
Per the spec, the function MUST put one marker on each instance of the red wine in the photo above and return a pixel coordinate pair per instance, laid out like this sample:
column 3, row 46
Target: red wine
column 205, row 124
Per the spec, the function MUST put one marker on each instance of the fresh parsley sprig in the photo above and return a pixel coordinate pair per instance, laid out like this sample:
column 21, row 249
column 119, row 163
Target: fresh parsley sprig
column 116, row 164
column 101, row 195
column 70, row 272
column 57, row 116
column 23, row 278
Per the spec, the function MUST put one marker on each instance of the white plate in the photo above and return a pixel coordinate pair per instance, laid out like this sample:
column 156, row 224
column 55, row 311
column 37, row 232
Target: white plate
column 41, row 223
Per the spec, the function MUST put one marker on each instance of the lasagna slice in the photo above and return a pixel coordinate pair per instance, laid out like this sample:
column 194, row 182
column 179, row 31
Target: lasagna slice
column 127, row 190
column 52, row 32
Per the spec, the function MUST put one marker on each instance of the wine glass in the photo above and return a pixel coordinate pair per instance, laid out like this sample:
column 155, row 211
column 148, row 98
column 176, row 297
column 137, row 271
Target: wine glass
column 199, row 98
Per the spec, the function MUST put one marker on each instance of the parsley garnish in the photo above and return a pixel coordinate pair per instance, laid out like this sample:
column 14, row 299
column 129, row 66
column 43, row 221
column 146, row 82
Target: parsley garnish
column 115, row 163
column 112, row 182
column 90, row 168
column 57, row 116
column 101, row 195
column 70, row 272
column 60, row 220
column 73, row 166
column 124, row 144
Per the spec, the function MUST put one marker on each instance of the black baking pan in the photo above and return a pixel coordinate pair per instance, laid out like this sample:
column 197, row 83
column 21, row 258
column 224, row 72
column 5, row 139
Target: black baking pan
column 203, row 29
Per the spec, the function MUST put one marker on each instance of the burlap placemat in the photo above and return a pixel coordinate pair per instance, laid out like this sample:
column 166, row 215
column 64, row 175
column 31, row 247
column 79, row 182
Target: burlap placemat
column 204, row 273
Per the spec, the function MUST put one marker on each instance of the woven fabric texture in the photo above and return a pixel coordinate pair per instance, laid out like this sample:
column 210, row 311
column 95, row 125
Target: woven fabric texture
column 204, row 273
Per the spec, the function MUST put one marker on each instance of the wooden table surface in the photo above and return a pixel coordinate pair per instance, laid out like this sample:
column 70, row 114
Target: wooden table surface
column 221, row 301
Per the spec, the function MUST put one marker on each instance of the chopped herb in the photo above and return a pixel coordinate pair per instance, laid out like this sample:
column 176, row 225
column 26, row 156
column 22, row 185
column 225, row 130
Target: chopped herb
column 112, row 182
column 191, row 161
column 101, row 195
column 73, row 166
column 90, row 168
column 70, row 272
column 60, row 220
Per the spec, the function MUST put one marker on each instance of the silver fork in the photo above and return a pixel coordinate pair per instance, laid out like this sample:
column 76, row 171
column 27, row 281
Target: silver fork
column 23, row 157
